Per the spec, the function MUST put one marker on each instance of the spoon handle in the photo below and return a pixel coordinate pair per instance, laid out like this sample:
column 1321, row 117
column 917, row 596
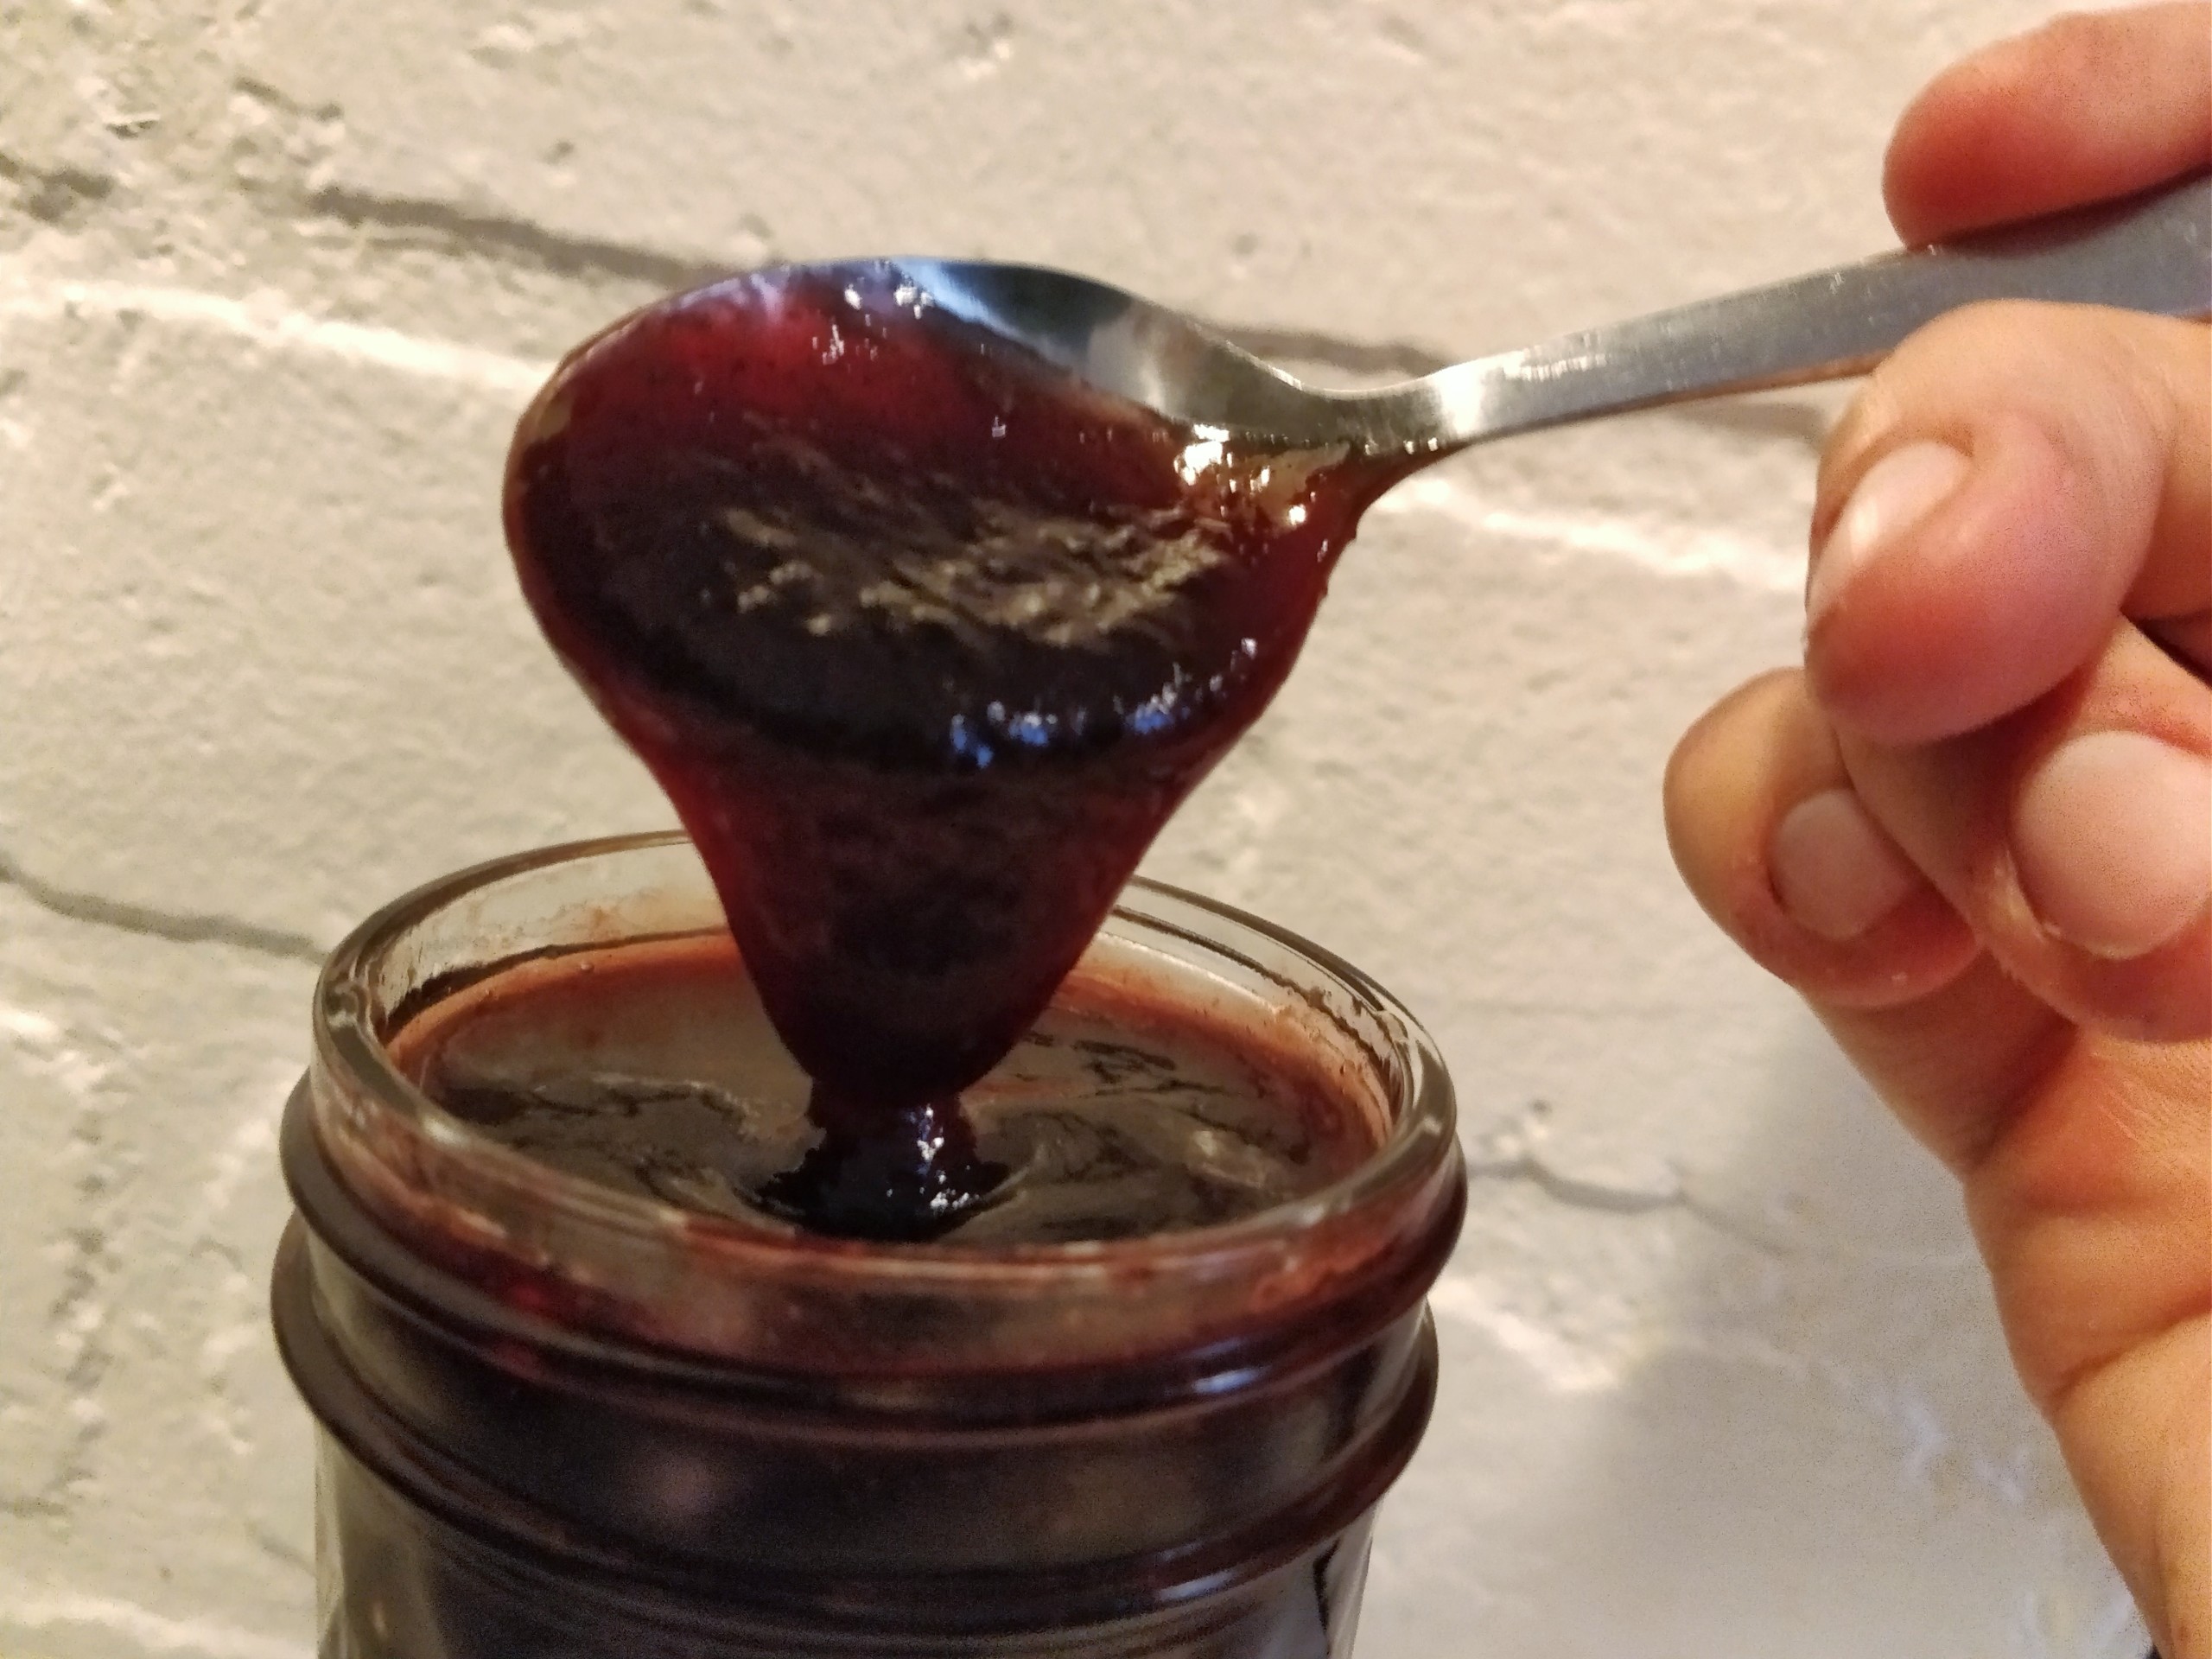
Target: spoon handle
column 2152, row 253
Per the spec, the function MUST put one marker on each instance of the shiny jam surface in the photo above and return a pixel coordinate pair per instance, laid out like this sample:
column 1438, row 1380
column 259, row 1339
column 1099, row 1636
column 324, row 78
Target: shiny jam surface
column 650, row 1069
column 923, row 641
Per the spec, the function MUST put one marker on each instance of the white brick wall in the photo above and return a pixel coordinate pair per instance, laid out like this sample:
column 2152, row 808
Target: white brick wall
column 274, row 277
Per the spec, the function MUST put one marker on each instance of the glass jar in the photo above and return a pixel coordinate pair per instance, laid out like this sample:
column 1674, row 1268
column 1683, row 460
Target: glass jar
column 559, row 1421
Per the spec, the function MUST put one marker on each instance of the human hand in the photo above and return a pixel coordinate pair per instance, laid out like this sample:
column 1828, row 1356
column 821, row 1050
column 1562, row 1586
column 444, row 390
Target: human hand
column 1975, row 830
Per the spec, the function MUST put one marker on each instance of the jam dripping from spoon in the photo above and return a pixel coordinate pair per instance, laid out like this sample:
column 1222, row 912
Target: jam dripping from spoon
column 926, row 642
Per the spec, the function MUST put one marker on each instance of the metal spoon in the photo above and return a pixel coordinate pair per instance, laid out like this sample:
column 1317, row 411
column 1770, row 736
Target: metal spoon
column 2151, row 253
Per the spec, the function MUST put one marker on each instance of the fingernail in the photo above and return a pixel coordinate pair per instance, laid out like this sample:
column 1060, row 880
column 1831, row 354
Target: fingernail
column 2113, row 840
column 1834, row 872
column 1898, row 492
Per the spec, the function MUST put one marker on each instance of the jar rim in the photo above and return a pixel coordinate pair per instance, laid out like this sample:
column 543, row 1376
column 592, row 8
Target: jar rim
column 367, row 1112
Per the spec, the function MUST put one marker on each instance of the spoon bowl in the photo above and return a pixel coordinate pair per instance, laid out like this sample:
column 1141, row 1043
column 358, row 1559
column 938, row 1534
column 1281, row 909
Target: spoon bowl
column 1151, row 355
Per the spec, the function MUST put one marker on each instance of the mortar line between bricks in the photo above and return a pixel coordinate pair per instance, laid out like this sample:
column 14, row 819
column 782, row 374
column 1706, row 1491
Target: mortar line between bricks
column 263, row 320
column 152, row 1633
column 518, row 241
column 177, row 927
column 1660, row 549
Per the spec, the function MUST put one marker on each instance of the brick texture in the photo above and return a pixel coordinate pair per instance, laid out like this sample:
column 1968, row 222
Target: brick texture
column 275, row 277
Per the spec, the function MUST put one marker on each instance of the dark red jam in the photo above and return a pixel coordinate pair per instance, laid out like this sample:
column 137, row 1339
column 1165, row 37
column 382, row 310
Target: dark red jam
column 925, row 642
column 1140, row 1404
column 924, row 645
column 650, row 1070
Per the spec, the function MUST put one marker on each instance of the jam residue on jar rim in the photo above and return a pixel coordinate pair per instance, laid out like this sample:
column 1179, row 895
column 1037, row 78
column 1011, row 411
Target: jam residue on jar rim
column 622, row 1267
column 650, row 1066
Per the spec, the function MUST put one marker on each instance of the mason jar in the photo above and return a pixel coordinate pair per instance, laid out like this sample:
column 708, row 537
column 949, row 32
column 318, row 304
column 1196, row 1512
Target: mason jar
column 559, row 1421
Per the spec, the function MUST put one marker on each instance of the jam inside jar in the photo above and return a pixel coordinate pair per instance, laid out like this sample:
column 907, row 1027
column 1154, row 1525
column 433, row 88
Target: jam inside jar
column 570, row 1416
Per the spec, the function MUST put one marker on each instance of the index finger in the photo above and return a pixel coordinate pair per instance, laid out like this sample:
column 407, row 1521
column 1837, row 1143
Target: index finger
column 2087, row 107
column 2012, row 481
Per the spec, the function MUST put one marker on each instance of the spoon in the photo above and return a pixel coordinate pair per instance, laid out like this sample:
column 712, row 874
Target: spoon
column 2153, row 252
column 926, row 639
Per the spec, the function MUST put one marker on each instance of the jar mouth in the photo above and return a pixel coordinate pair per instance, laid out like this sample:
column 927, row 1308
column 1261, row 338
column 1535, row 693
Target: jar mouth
column 450, row 1189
